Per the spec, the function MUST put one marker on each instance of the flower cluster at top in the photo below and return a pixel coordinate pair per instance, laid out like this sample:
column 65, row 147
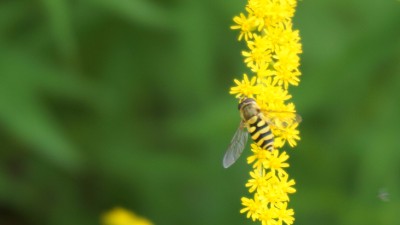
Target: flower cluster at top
column 272, row 55
column 121, row 216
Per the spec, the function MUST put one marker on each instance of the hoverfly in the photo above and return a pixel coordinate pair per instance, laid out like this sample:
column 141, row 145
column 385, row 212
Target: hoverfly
column 257, row 125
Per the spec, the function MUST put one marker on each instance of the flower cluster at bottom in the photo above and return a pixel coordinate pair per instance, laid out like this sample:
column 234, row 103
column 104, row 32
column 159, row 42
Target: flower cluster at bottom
column 270, row 186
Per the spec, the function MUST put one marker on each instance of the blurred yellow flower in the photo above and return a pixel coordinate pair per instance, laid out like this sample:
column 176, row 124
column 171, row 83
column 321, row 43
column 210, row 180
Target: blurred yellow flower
column 121, row 216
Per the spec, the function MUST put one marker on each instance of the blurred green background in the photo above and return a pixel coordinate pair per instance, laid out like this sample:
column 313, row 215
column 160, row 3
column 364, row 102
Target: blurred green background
column 125, row 103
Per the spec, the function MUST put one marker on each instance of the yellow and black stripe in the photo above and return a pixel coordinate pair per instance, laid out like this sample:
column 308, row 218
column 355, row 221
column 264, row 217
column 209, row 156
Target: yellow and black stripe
column 260, row 132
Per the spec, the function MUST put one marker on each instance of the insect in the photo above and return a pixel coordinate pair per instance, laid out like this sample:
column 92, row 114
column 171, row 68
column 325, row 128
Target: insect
column 257, row 125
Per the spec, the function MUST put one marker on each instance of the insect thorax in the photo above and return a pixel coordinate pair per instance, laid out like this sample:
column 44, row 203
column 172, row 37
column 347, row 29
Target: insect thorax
column 248, row 111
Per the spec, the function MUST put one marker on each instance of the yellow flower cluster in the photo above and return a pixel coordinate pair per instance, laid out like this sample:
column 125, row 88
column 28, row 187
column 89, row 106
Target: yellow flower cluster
column 273, row 58
column 121, row 216
column 270, row 185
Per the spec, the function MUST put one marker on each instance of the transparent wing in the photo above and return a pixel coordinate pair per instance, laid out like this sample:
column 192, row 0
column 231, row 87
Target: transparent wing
column 236, row 146
column 282, row 119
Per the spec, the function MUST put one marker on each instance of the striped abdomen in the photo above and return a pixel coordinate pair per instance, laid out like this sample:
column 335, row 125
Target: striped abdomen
column 260, row 132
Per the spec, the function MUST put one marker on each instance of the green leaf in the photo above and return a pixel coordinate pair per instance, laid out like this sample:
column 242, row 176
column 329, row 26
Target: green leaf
column 23, row 112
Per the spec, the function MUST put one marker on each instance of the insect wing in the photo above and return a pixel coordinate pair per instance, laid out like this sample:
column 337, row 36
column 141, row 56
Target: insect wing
column 236, row 146
column 274, row 119
column 297, row 118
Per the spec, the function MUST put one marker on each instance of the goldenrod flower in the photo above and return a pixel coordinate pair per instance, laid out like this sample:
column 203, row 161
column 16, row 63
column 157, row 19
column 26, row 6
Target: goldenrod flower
column 286, row 185
column 263, row 70
column 289, row 134
column 285, row 75
column 283, row 214
column 272, row 54
column 274, row 162
column 268, row 216
column 259, row 156
column 246, row 25
column 256, row 56
column 246, row 87
column 252, row 207
column 258, row 182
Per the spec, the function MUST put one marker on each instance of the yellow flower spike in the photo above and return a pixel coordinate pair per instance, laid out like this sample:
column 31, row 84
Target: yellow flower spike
column 272, row 55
